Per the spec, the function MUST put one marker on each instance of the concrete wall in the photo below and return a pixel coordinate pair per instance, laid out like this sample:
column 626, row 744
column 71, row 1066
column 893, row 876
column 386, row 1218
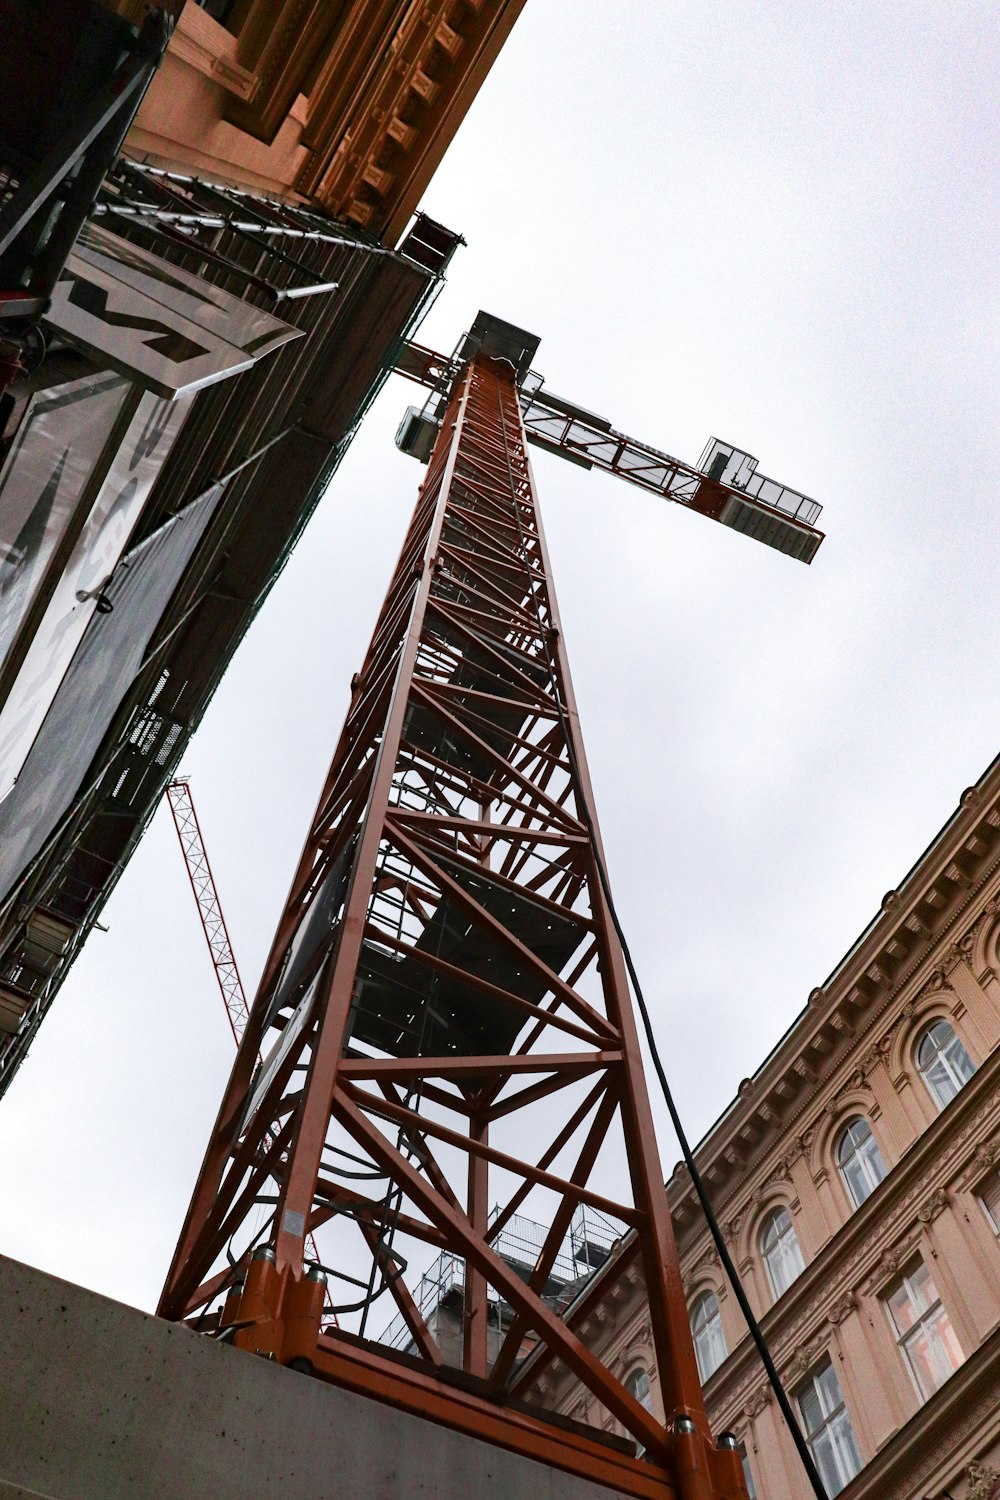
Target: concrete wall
column 98, row 1400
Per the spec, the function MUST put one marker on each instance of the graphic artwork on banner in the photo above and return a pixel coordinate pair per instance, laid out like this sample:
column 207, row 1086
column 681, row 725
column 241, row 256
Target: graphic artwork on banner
column 56, row 451
column 174, row 332
column 90, row 694
column 80, row 589
column 230, row 318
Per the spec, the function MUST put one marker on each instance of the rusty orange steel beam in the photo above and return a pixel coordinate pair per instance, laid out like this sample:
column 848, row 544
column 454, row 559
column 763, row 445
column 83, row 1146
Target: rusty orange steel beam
column 446, row 928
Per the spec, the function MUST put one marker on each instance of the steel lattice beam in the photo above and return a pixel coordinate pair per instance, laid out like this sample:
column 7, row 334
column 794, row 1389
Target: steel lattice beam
column 209, row 908
column 213, row 922
column 444, row 1016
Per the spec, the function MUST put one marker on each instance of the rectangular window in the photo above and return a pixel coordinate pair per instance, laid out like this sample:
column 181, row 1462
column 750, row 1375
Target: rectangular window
column 828, row 1428
column 923, row 1330
column 747, row 1475
column 989, row 1197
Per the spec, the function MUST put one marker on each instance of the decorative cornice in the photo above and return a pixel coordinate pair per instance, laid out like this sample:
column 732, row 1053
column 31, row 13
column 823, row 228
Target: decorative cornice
column 983, row 1481
column 892, row 1261
column 872, row 1246
column 983, row 1161
column 805, row 1356
column 936, row 1204
column 757, row 1402
column 877, row 1049
column 842, row 1307
column 401, row 119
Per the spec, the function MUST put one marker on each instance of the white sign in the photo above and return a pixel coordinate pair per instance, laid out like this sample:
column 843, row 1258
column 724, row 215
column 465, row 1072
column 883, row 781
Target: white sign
column 228, row 317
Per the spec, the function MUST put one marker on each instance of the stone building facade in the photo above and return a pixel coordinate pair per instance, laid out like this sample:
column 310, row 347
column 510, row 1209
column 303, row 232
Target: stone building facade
column 347, row 107
column 857, row 1180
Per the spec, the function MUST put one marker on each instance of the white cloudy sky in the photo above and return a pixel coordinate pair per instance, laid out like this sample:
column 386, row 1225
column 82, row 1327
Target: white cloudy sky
column 769, row 222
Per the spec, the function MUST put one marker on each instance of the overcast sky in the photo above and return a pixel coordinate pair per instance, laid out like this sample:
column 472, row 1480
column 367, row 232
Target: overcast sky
column 768, row 222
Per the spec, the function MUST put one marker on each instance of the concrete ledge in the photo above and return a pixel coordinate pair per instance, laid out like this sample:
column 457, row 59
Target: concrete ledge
column 101, row 1402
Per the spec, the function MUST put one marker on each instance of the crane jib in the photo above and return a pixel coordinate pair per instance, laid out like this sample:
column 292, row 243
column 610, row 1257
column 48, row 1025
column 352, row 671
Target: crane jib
column 724, row 485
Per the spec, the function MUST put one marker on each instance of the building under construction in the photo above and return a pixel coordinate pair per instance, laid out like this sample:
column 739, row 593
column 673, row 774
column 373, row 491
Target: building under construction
column 243, row 278
column 436, row 1143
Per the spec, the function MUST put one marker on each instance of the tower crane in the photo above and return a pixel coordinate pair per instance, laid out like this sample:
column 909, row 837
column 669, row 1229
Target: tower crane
column 444, row 1018
column 206, row 898
column 213, row 923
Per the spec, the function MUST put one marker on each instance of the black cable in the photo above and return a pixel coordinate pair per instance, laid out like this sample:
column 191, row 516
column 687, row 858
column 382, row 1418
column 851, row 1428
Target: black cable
column 798, row 1437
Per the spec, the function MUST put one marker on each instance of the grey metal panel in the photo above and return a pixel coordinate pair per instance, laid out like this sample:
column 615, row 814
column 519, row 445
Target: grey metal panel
column 56, row 450
column 117, row 505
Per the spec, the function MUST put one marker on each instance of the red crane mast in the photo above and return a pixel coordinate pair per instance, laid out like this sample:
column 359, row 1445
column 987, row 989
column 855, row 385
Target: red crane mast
column 209, row 907
column 445, row 1016
column 213, row 924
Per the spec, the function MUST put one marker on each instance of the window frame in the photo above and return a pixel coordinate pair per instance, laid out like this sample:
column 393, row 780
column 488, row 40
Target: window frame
column 834, row 1424
column 714, row 1319
column 636, row 1373
column 941, row 1058
column 990, row 1185
column 926, row 1321
column 646, row 1399
column 857, row 1153
column 747, row 1469
column 780, row 1237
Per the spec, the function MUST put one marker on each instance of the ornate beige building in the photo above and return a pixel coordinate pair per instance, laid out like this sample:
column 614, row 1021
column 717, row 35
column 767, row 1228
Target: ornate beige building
column 857, row 1179
column 349, row 107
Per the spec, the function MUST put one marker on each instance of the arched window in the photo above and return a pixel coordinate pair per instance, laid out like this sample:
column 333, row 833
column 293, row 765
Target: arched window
column 709, row 1339
column 860, row 1160
column 638, row 1385
column 943, row 1062
column 780, row 1248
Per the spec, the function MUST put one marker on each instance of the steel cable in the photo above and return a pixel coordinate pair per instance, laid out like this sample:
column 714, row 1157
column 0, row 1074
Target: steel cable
column 756, row 1333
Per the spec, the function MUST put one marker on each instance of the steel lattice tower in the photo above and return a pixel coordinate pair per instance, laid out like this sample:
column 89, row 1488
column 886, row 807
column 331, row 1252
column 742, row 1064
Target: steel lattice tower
column 445, row 1017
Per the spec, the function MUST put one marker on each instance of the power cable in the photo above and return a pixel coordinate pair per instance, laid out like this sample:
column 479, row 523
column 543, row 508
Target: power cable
column 756, row 1333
